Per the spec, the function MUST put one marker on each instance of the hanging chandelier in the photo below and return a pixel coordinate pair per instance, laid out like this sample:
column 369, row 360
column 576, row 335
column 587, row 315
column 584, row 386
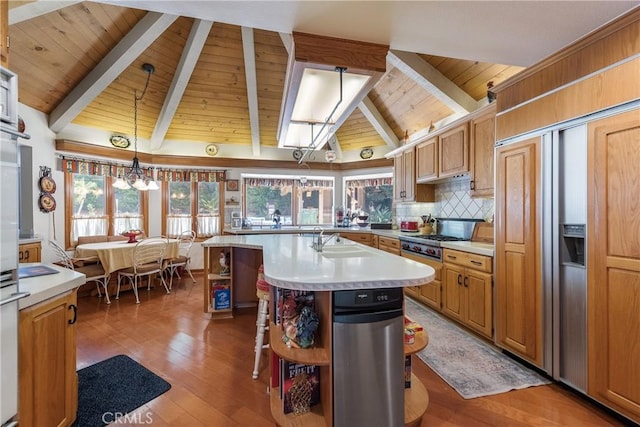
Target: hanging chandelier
column 136, row 177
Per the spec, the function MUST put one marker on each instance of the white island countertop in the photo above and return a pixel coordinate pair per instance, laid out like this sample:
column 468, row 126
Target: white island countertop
column 42, row 288
column 290, row 262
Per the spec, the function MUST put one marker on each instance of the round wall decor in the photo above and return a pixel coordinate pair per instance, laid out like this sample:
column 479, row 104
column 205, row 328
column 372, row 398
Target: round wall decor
column 119, row 141
column 47, row 185
column 47, row 203
column 211, row 149
column 366, row 153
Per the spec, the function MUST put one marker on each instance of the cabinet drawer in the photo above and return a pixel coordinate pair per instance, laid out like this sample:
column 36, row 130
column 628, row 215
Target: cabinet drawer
column 389, row 242
column 358, row 237
column 466, row 259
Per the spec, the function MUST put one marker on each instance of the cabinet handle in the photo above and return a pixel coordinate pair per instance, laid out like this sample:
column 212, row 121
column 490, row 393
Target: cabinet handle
column 476, row 262
column 20, row 256
column 472, row 185
column 452, row 256
column 75, row 313
column 26, row 254
column 466, row 282
column 459, row 280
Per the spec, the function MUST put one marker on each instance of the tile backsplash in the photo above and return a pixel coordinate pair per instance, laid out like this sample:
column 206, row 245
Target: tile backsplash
column 453, row 200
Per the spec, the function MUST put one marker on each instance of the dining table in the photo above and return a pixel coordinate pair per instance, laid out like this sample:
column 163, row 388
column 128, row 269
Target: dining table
column 118, row 255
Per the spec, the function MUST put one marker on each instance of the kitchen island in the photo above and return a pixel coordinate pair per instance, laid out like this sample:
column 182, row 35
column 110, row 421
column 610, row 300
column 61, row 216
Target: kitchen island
column 290, row 262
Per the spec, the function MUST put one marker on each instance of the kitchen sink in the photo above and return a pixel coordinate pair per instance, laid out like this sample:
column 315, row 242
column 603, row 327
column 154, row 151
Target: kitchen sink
column 345, row 251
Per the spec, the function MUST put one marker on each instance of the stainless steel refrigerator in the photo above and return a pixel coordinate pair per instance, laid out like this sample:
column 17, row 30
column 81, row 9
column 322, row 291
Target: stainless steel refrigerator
column 564, row 241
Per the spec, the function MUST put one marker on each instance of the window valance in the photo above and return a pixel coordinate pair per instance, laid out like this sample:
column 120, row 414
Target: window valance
column 369, row 182
column 96, row 167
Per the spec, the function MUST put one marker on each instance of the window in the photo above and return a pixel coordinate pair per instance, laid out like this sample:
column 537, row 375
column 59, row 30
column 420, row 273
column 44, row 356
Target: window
column 100, row 209
column 301, row 201
column 372, row 194
column 192, row 206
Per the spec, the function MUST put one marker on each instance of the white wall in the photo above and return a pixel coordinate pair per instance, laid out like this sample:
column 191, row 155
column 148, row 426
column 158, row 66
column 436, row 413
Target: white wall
column 48, row 226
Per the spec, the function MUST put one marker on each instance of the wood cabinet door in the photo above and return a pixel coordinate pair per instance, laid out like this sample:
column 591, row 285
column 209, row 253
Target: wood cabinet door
column 409, row 175
column 427, row 160
column 398, row 178
column 432, row 294
column 483, row 136
column 452, row 290
column 48, row 383
column 478, row 301
column 454, row 151
column 4, row 33
column 29, row 252
column 518, row 261
column 613, row 262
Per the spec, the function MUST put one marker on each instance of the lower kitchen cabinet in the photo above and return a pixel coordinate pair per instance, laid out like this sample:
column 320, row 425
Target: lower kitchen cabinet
column 429, row 293
column 364, row 238
column 29, row 252
column 467, row 292
column 48, row 382
column 389, row 244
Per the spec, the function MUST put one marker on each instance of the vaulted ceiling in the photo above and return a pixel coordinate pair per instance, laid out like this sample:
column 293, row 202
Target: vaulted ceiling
column 220, row 66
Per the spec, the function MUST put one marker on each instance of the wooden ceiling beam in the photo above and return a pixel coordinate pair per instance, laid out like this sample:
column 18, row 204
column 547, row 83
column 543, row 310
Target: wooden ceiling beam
column 33, row 9
column 427, row 76
column 248, row 49
column 190, row 54
column 140, row 37
column 379, row 124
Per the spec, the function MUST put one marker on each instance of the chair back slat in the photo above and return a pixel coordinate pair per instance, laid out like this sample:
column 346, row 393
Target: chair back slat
column 65, row 259
column 150, row 251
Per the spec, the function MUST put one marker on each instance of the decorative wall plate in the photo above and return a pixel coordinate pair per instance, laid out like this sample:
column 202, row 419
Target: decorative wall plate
column 211, row 149
column 47, row 203
column 47, row 184
column 119, row 141
column 366, row 153
column 297, row 154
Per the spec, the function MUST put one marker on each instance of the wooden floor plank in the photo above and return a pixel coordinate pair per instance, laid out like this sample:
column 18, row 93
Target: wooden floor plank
column 209, row 365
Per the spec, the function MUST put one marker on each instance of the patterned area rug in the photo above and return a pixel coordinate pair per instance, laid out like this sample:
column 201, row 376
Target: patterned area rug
column 472, row 367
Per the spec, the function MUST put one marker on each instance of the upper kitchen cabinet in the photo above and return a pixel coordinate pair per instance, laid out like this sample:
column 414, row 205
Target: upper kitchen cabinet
column 427, row 160
column 483, row 138
column 454, row 151
column 405, row 188
column 4, row 34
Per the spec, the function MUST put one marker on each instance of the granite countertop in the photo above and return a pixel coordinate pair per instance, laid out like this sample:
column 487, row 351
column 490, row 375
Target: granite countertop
column 42, row 288
column 290, row 262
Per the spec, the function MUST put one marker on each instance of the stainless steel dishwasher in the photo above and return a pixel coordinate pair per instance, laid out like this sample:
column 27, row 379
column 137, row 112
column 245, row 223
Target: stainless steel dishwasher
column 368, row 358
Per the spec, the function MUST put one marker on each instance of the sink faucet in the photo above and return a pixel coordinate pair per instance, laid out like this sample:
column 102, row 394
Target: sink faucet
column 319, row 242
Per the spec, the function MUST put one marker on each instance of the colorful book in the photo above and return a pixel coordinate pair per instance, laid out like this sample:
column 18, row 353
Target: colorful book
column 300, row 387
column 221, row 296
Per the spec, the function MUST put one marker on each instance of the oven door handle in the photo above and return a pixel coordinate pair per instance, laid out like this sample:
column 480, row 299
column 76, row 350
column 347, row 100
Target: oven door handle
column 14, row 297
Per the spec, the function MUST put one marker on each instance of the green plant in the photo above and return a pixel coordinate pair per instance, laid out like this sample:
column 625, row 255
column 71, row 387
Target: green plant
column 380, row 214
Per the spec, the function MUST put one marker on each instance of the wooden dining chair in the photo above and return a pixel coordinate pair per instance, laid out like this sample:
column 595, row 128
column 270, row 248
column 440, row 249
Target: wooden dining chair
column 90, row 267
column 148, row 260
column 184, row 257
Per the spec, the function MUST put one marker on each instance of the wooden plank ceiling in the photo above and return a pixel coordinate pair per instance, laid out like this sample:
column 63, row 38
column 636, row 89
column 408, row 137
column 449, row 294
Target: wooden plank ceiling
column 54, row 52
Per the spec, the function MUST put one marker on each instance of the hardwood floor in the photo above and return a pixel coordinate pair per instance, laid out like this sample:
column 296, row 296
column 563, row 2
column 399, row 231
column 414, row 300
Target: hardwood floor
column 209, row 365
